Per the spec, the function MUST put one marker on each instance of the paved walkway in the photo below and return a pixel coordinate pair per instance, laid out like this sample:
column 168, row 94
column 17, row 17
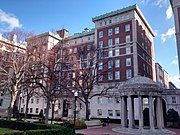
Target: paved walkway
column 107, row 130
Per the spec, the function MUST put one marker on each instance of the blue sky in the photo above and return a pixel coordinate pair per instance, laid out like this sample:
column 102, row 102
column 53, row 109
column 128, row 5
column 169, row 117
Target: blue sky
column 40, row 16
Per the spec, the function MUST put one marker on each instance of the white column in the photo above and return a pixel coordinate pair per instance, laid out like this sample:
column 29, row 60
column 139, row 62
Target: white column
column 162, row 116
column 141, row 120
column 130, row 109
column 159, row 113
column 151, row 112
column 123, row 123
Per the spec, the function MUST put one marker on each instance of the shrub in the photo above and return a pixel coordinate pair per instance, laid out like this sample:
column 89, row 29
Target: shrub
column 79, row 124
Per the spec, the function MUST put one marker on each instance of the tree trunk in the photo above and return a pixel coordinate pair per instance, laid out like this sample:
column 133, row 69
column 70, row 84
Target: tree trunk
column 47, row 111
column 10, row 108
column 87, row 110
column 26, row 109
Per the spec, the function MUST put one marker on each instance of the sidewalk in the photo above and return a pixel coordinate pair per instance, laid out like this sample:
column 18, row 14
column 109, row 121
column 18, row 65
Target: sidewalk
column 107, row 130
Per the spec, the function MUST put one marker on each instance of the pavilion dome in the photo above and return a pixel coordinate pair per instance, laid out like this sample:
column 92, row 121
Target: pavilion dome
column 140, row 83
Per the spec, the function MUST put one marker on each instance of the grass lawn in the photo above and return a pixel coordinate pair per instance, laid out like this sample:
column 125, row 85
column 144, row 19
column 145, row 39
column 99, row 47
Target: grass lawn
column 5, row 130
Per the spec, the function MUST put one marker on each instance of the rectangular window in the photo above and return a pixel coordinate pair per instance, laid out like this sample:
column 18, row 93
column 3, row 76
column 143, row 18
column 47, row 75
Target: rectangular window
column 100, row 66
column 110, row 53
column 89, row 47
column 37, row 110
column 110, row 32
column 117, row 113
column 128, row 62
column 128, row 50
column 117, row 63
column 100, row 55
column 100, row 34
column 110, row 112
column 23, row 100
column 128, row 39
column 89, row 38
column 100, row 24
column 32, row 100
column 22, row 110
column 99, row 112
column 31, row 110
column 37, row 100
column 110, row 42
column 117, row 75
column 110, row 21
column 88, row 56
column 116, row 41
column 110, row 76
column 75, row 50
column 100, row 78
column 101, row 44
column 117, row 30
column 117, row 52
column 110, row 64
column 173, row 100
column 99, row 100
column 116, row 19
column 127, row 27
column 1, row 102
column 128, row 74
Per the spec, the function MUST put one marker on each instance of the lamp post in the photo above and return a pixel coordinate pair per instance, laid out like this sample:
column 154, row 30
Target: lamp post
column 75, row 96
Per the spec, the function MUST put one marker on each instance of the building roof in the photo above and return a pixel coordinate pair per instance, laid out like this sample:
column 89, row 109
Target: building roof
column 84, row 33
column 140, row 83
column 126, row 9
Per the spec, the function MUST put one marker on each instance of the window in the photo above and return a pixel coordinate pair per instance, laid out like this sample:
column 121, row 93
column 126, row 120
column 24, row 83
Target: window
column 128, row 62
column 99, row 112
column 128, row 74
column 37, row 110
column 110, row 53
column 110, row 76
column 100, row 54
column 127, row 27
column 110, row 64
column 99, row 100
column 110, row 32
column 116, row 41
column 110, row 100
column 100, row 34
column 117, row 52
column 75, row 50
column 1, row 102
column 31, row 110
column 110, row 42
column 128, row 50
column 23, row 100
column 88, row 56
column 82, row 40
column 116, row 19
column 110, row 112
column 117, row 75
column 117, row 30
column 100, row 78
column 32, row 100
column 100, row 66
column 174, row 100
column 37, row 100
column 117, row 113
column 101, row 44
column 110, row 21
column 128, row 39
column 89, row 47
column 22, row 110
column 75, row 42
column 89, row 38
column 100, row 24
column 73, row 75
column 117, row 63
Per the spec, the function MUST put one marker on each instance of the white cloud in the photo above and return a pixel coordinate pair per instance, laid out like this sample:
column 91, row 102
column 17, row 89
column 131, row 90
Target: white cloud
column 169, row 12
column 144, row 2
column 175, row 61
column 10, row 20
column 175, row 80
column 168, row 34
column 156, row 32
column 160, row 3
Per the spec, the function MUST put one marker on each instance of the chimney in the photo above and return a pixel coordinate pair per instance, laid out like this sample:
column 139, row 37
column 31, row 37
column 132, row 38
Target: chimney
column 63, row 33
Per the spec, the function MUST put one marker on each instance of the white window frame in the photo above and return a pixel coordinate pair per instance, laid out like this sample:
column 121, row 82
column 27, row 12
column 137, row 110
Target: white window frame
column 117, row 63
column 128, row 39
column 117, row 52
column 117, row 30
column 128, row 62
column 117, row 75
column 128, row 74
column 100, row 44
column 110, row 76
column 100, row 34
column 100, row 66
column 127, row 27
column 110, row 42
column 110, row 53
column 110, row 64
column 116, row 41
column 128, row 50
column 110, row 32
column 100, row 78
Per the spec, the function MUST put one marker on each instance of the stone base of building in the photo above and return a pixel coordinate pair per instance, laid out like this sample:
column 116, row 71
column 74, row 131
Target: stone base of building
column 143, row 131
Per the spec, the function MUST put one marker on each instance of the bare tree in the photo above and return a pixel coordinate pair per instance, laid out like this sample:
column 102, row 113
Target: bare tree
column 19, row 35
column 85, row 75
